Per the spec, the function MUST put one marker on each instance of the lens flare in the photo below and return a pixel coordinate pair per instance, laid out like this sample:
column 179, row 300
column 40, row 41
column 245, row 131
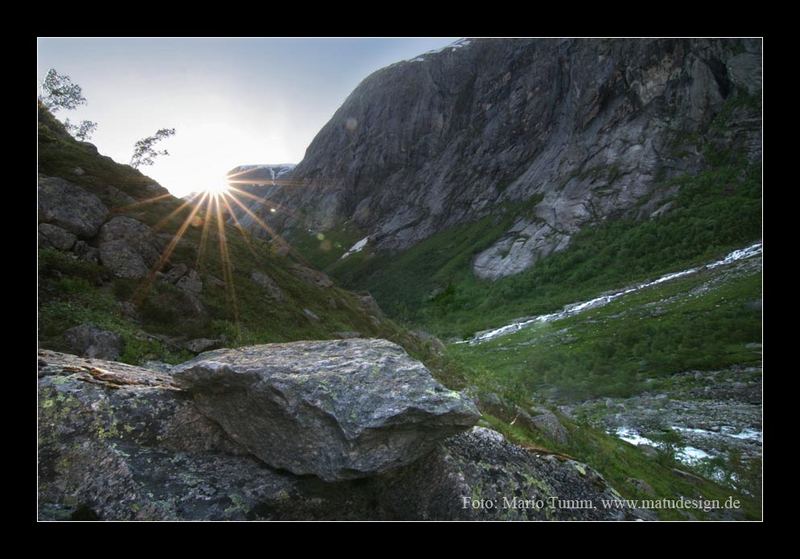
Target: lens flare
column 219, row 204
column 218, row 189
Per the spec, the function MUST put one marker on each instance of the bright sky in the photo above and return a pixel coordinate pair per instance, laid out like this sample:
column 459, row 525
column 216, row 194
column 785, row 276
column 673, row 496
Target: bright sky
column 231, row 101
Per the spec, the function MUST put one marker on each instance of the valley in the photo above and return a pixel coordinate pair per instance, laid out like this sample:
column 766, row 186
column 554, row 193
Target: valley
column 507, row 270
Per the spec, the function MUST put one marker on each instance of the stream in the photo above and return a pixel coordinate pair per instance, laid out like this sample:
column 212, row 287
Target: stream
column 573, row 309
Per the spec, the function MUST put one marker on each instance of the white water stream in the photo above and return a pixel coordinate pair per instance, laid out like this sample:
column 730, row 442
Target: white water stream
column 576, row 308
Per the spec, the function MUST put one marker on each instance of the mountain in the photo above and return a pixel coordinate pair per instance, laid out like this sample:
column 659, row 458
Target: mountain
column 579, row 219
column 592, row 206
column 259, row 174
column 485, row 160
column 577, row 130
column 250, row 184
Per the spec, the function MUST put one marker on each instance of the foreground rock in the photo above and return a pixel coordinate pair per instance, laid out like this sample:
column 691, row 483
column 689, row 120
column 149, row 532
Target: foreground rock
column 338, row 409
column 118, row 442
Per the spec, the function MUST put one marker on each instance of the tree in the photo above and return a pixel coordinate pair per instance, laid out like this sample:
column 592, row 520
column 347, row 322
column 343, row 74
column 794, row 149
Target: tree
column 58, row 92
column 82, row 131
column 143, row 151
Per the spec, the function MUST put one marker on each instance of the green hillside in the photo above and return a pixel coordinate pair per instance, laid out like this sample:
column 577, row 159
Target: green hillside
column 154, row 316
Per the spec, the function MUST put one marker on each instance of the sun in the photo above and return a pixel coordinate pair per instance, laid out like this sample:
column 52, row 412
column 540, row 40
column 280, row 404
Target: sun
column 218, row 189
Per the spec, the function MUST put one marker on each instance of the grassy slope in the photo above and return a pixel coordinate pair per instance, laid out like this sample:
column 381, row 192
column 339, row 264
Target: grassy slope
column 72, row 292
column 613, row 351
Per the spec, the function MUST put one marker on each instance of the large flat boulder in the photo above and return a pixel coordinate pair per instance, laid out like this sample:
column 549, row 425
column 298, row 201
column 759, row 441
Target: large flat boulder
column 118, row 442
column 340, row 409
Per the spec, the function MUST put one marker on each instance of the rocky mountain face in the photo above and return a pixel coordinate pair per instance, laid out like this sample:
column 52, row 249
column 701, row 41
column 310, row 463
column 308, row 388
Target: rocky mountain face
column 576, row 131
column 251, row 184
column 118, row 442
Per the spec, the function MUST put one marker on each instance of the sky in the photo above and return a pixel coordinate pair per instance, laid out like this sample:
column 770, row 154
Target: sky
column 232, row 101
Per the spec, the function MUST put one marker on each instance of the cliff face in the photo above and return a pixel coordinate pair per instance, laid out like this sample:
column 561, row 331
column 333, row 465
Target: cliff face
column 581, row 130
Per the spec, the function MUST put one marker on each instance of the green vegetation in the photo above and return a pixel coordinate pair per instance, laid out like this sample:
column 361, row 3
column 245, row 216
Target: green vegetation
column 60, row 154
column 71, row 293
column 613, row 350
column 322, row 249
column 636, row 343
column 432, row 285
column 423, row 278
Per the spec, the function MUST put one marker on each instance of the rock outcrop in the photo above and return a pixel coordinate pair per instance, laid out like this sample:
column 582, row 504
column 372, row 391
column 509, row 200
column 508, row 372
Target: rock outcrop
column 90, row 341
column 338, row 409
column 70, row 207
column 580, row 130
column 53, row 236
column 271, row 288
column 128, row 247
column 118, row 442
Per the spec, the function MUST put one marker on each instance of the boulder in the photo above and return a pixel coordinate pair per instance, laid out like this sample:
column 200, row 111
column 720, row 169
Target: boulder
column 70, row 207
column 311, row 276
column 641, row 486
column 434, row 343
column 116, row 198
column 272, row 289
column 201, row 344
column 479, row 475
column 128, row 247
column 547, row 423
column 338, row 409
column 118, row 442
column 112, row 440
column 52, row 236
column 91, row 341
column 369, row 304
column 158, row 366
column 175, row 273
column 190, row 283
column 86, row 252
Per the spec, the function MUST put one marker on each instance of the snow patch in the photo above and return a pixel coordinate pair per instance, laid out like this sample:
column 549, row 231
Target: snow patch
column 358, row 247
column 452, row 47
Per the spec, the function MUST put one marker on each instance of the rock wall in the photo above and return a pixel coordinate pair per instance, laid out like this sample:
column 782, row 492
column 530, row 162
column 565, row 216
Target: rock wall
column 593, row 127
